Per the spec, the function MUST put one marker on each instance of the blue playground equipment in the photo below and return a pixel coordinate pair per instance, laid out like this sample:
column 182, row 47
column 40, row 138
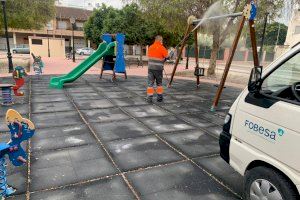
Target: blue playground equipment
column 114, row 60
column 253, row 11
column 21, row 129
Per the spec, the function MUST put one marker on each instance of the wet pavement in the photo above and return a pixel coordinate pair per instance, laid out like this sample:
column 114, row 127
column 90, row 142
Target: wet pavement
column 101, row 140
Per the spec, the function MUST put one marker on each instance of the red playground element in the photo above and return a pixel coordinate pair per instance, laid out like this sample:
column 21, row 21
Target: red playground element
column 19, row 83
column 18, row 75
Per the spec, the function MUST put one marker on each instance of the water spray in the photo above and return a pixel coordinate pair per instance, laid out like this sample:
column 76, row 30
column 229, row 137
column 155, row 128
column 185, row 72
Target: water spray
column 199, row 22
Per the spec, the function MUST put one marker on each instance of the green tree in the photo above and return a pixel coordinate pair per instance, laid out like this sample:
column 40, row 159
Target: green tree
column 275, row 34
column 28, row 14
column 173, row 14
column 131, row 22
column 93, row 28
column 128, row 20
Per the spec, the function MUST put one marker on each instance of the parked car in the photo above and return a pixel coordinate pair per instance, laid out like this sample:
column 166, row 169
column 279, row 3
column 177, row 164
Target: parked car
column 85, row 51
column 22, row 49
column 261, row 134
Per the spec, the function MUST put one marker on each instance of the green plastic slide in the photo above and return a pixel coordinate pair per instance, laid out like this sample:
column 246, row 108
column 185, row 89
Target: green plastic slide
column 103, row 50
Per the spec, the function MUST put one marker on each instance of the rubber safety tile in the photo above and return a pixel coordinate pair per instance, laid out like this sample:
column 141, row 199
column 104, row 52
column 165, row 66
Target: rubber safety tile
column 43, row 120
column 194, row 143
column 85, row 96
column 49, row 98
column 220, row 169
column 104, row 115
column 141, row 152
column 52, row 107
column 84, row 104
column 197, row 119
column 129, row 101
column 120, row 130
column 166, row 124
column 71, row 165
column 177, row 182
column 109, row 189
column 145, row 111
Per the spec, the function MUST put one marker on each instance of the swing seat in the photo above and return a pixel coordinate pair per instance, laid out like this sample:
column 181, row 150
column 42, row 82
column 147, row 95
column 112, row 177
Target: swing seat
column 199, row 71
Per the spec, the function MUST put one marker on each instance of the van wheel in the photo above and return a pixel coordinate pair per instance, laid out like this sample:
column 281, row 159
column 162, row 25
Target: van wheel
column 14, row 51
column 263, row 183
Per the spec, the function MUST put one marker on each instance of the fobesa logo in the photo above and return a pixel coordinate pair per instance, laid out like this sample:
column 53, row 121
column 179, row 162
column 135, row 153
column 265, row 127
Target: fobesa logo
column 265, row 132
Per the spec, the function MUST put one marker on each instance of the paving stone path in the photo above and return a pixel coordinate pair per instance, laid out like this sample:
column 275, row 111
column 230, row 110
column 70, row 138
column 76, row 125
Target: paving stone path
column 101, row 140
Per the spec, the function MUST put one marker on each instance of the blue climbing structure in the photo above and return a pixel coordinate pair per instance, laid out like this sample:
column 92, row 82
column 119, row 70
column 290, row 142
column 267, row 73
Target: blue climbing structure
column 114, row 60
column 21, row 129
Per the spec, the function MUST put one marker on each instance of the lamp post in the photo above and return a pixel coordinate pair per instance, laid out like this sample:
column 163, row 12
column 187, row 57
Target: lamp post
column 73, row 22
column 263, row 37
column 48, row 42
column 10, row 64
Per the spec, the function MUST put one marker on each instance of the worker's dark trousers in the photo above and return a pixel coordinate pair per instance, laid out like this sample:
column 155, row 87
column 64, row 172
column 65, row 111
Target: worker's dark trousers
column 155, row 76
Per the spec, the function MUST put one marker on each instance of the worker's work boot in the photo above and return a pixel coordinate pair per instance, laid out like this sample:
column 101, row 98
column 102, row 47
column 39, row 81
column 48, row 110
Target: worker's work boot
column 150, row 99
column 159, row 91
column 160, row 98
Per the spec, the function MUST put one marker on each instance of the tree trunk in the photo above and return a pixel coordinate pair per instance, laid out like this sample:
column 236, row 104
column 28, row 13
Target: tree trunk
column 214, row 53
column 187, row 57
column 141, row 55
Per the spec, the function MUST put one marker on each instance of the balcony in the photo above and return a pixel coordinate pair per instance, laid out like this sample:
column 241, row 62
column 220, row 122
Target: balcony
column 58, row 32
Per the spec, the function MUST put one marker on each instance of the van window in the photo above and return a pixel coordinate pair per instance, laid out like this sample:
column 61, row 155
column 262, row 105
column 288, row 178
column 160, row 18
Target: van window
column 279, row 82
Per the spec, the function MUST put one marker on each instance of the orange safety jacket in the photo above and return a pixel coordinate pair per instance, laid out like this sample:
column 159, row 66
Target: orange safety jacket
column 156, row 56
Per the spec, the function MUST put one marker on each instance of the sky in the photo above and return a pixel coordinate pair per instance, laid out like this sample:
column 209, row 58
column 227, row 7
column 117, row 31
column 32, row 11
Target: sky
column 285, row 17
column 114, row 3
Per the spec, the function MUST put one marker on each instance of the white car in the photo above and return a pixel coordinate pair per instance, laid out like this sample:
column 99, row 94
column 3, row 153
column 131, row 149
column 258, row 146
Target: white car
column 85, row 51
column 261, row 134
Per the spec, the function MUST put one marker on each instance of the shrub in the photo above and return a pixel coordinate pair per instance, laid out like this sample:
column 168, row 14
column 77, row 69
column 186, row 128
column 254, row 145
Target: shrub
column 25, row 62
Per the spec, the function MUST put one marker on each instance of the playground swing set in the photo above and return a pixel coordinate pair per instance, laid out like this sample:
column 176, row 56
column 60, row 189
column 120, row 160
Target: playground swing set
column 194, row 24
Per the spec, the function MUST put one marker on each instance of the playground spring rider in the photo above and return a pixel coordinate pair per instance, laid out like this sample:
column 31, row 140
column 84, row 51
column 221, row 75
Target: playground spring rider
column 18, row 75
column 6, row 94
column 21, row 129
column 38, row 64
column 115, row 60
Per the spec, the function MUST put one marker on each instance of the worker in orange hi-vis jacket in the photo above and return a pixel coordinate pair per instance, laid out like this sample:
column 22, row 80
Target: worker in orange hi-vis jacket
column 157, row 54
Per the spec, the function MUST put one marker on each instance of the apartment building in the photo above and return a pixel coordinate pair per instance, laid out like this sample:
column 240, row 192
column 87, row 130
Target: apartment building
column 59, row 27
column 293, row 34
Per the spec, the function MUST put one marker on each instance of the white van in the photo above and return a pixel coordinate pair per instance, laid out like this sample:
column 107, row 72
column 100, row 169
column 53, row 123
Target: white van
column 261, row 134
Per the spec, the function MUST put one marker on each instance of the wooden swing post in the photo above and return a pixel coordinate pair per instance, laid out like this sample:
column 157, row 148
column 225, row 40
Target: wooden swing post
column 233, row 49
column 184, row 41
column 197, row 56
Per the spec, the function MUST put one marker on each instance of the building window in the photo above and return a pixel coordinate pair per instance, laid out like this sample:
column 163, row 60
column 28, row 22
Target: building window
column 79, row 26
column 297, row 30
column 49, row 26
column 62, row 25
column 37, row 42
